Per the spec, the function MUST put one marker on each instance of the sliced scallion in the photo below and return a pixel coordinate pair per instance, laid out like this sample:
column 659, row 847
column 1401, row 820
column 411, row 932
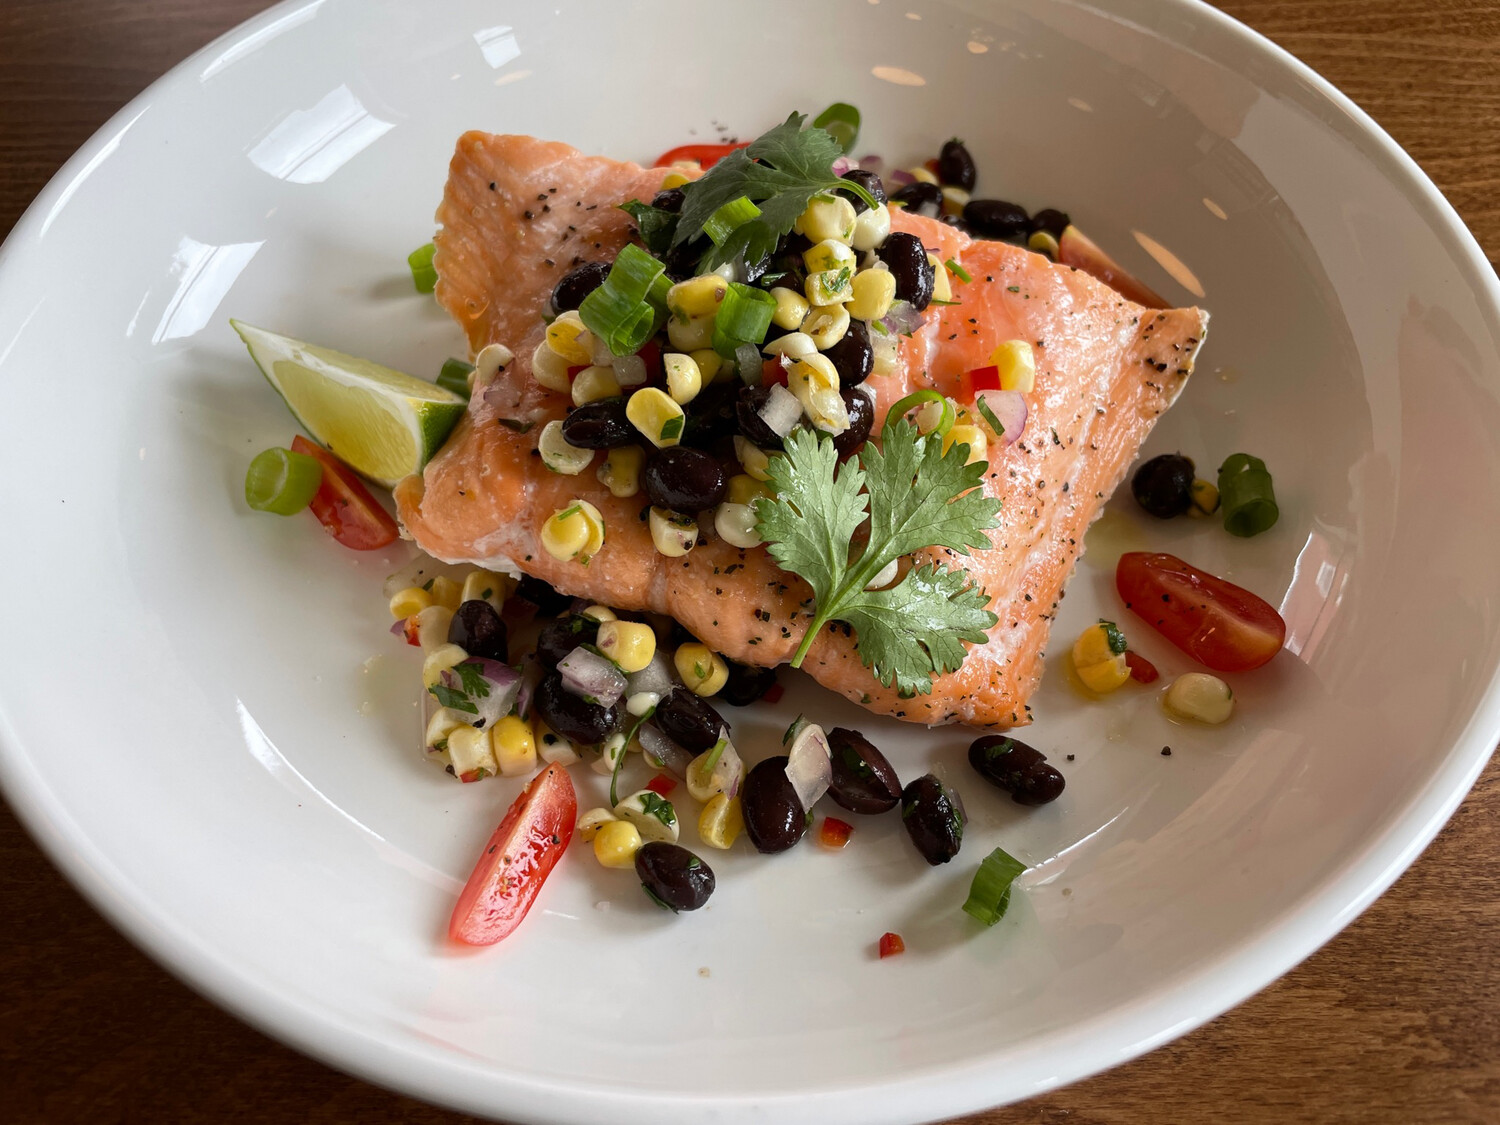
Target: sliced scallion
column 989, row 893
column 281, row 481
column 423, row 276
column 957, row 270
column 842, row 122
column 723, row 222
column 621, row 312
column 744, row 317
column 455, row 376
column 1245, row 492
column 918, row 398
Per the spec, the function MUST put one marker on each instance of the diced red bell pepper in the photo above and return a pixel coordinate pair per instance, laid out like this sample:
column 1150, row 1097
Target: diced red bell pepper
column 979, row 379
column 1142, row 671
column 774, row 693
column 771, row 371
column 409, row 630
column 834, row 833
column 661, row 784
column 705, row 155
column 890, row 945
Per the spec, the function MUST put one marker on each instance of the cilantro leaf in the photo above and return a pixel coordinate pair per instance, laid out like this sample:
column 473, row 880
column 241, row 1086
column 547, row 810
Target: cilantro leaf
column 471, row 675
column 912, row 496
column 653, row 804
column 456, row 700
column 656, row 225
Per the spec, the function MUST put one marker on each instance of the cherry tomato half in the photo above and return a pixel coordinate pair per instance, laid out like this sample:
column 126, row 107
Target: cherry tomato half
column 706, row 155
column 1215, row 622
column 344, row 505
column 517, row 860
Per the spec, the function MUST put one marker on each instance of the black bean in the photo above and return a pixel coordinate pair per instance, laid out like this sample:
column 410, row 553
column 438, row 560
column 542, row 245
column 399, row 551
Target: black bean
column 573, row 716
column 685, row 480
column 853, row 357
column 933, row 817
column 861, row 417
column 688, row 720
column 752, row 425
column 682, row 260
column 863, row 780
column 600, row 425
column 711, row 416
column 1051, row 220
column 921, row 198
column 477, row 629
column 577, row 284
column 1019, row 769
column 870, row 182
column 997, row 219
column 1164, row 485
column 907, row 259
column 673, row 876
column 774, row 817
column 956, row 166
column 558, row 638
column 548, row 601
column 671, row 199
column 746, row 684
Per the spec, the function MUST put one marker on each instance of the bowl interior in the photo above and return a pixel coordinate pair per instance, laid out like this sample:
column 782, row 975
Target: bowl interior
column 245, row 796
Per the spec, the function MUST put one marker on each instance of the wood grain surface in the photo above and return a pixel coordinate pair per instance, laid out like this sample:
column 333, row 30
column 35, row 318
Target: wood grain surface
column 1396, row 1022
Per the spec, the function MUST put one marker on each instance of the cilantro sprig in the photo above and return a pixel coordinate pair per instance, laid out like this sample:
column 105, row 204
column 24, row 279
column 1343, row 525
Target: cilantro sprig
column 780, row 171
column 913, row 496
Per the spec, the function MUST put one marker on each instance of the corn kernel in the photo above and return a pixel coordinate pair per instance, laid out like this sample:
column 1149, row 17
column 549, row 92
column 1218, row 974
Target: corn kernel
column 702, row 671
column 446, row 592
column 557, row 454
column 1205, row 497
column 1017, row 364
column 487, row 586
column 491, row 360
column 471, row 753
column 826, row 326
column 621, row 471
column 439, row 660
column 550, row 369
column 691, row 335
column 873, row 292
column 794, row 344
column 735, row 524
column 616, row 842
column 755, row 460
column 674, row 180
column 568, row 337
column 815, row 382
column 871, row 228
column 594, row 383
column 791, row 308
column 432, row 627
column 721, row 821
column 830, row 287
column 830, row 254
column 1043, row 242
column 1199, row 696
column 515, row 747
column 954, row 199
column 659, row 825
column 630, row 644
column 630, row 370
column 412, row 600
column 565, row 533
column 744, row 489
column 590, row 822
column 827, row 216
column 1098, row 665
column 642, row 703
column 552, row 747
column 684, row 380
column 654, row 413
column 697, row 297
column 942, row 288
column 818, row 370
column 922, row 174
column 673, row 533
column 972, row 436
column 710, row 364
column 444, row 722
column 600, row 613
column 610, row 752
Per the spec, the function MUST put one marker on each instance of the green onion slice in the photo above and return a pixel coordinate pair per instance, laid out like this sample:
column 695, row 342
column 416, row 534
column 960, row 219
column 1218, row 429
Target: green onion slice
column 1247, row 497
column 744, row 317
column 957, row 270
column 423, row 276
column 842, row 122
column 455, row 376
column 621, row 312
column 722, row 223
column 988, row 412
column 281, row 481
column 918, row 398
column 989, row 893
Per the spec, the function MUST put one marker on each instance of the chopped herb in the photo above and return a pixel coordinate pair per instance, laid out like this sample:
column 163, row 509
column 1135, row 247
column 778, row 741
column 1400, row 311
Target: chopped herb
column 517, row 425
column 1012, row 288
column 1117, row 643
column 471, row 675
column 653, row 804
column 671, row 428
column 568, row 512
column 456, row 700
column 957, row 270
column 989, row 415
column 654, row 224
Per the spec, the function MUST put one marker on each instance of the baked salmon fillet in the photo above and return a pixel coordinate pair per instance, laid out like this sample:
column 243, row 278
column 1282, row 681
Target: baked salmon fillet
column 518, row 213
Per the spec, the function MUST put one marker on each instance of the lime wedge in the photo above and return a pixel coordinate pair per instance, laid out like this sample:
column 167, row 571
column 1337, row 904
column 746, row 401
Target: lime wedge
column 382, row 423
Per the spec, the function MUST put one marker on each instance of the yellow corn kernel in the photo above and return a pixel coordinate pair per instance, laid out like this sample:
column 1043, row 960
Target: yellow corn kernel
column 515, row 746
column 1017, row 365
column 616, row 842
column 621, row 471
column 1205, row 497
column 600, row 613
column 754, row 459
column 922, row 174
column 1199, row 696
column 744, row 489
column 827, row 216
column 594, row 383
column 815, row 382
column 446, row 592
column 684, row 380
column 710, row 364
column 791, row 308
column 491, row 360
column 826, row 326
column 1092, row 646
column 702, row 671
column 557, row 454
column 552, row 747
column 942, row 288
column 432, row 627
column 610, row 752
column 444, row 722
column 697, row 297
column 673, row 533
column 830, row 254
column 1043, row 242
column 487, row 586
column 736, row 525
column 673, row 180
column 411, row 600
column 830, row 287
column 471, row 753
column 794, row 344
column 871, row 228
column 568, row 337
column 954, row 199
column 721, row 821
column 873, row 292
column 1105, row 678
column 590, row 822
column 566, row 532
column 972, row 436
column 690, row 335
column 550, row 369
column 1098, row 665
column 630, row 644
column 818, row 370
column 652, row 411
column 439, row 660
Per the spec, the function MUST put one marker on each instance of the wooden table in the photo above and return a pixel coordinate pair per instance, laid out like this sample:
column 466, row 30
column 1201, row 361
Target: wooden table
column 1396, row 1022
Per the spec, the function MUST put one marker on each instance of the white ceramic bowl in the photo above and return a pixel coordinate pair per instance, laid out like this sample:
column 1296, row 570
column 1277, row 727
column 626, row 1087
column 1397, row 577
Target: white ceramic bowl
column 195, row 729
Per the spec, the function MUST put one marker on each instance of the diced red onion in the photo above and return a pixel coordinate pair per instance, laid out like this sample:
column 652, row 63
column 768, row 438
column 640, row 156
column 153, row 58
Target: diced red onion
column 1010, row 408
column 902, row 318
column 630, row 370
column 842, row 164
column 809, row 765
column 399, row 628
column 782, row 411
column 504, row 684
column 531, row 677
column 662, row 752
column 747, row 359
column 729, row 770
column 654, row 677
column 899, row 176
column 872, row 163
column 592, row 676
